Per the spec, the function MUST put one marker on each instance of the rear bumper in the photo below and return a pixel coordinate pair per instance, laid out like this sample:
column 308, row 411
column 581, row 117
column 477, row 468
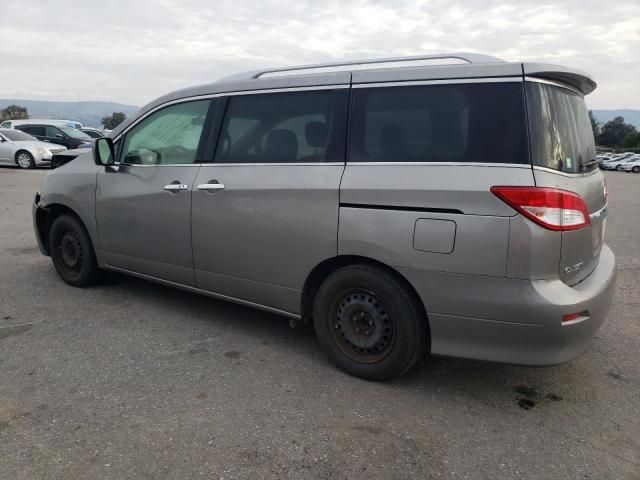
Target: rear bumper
column 514, row 321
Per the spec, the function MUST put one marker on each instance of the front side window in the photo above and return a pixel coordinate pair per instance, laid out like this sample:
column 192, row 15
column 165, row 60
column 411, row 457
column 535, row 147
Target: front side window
column 291, row 127
column 53, row 131
column 167, row 137
column 561, row 133
column 75, row 133
column 474, row 122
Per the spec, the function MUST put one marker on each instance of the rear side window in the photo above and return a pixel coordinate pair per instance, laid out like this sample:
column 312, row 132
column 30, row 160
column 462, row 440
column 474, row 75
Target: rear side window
column 475, row 122
column 291, row 127
column 560, row 129
column 31, row 130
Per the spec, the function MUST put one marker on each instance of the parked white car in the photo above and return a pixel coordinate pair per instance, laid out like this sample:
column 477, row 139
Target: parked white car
column 41, row 121
column 20, row 148
column 631, row 165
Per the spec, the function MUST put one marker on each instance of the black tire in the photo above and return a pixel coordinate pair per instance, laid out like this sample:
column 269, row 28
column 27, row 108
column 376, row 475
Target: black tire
column 635, row 169
column 369, row 324
column 25, row 160
column 72, row 252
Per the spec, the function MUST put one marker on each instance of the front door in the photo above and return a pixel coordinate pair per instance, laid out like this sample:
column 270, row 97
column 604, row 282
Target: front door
column 265, row 212
column 143, row 209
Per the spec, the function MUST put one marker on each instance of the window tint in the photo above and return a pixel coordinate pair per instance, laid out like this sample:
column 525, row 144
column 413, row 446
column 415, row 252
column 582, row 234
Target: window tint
column 475, row 122
column 39, row 131
column 284, row 128
column 167, row 137
column 561, row 133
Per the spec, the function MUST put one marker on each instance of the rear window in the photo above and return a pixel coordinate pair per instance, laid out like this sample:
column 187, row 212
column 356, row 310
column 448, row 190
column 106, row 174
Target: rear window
column 474, row 122
column 560, row 129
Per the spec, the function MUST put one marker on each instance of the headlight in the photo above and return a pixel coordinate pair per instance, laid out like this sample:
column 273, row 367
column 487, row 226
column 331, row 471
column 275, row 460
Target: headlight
column 45, row 153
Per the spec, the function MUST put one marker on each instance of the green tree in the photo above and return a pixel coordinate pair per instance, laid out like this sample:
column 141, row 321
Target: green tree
column 632, row 140
column 112, row 121
column 14, row 112
column 595, row 126
column 613, row 133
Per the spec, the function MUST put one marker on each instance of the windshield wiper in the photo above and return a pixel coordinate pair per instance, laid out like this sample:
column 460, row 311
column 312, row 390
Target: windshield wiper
column 586, row 167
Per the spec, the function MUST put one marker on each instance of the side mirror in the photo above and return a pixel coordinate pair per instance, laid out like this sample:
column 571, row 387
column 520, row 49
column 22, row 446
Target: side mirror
column 59, row 135
column 103, row 152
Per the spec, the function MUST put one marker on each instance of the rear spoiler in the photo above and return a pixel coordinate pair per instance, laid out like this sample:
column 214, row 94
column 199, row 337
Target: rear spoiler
column 557, row 73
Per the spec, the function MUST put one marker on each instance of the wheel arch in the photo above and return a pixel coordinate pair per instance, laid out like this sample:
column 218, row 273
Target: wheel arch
column 46, row 216
column 321, row 271
column 22, row 150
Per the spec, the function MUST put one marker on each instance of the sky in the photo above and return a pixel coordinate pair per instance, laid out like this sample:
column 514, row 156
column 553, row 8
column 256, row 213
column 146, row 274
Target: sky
column 136, row 50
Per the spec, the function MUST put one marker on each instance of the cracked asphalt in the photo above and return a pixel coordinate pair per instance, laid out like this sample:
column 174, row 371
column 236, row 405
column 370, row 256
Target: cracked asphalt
column 133, row 380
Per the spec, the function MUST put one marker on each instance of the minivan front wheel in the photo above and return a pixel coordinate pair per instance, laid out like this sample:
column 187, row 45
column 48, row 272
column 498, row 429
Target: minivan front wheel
column 368, row 323
column 71, row 252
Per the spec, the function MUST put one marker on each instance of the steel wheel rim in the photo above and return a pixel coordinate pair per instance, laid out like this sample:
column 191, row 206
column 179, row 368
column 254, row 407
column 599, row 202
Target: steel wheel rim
column 70, row 253
column 361, row 325
column 24, row 160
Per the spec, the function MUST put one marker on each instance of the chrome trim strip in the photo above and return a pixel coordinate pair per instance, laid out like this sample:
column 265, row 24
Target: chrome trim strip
column 447, row 81
column 204, row 292
column 159, row 165
column 213, row 164
column 566, row 174
column 599, row 213
column 440, row 164
column 315, row 164
column 551, row 82
column 227, row 94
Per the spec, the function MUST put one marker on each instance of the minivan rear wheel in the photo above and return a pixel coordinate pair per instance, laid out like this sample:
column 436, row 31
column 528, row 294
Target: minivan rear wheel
column 635, row 169
column 71, row 252
column 369, row 323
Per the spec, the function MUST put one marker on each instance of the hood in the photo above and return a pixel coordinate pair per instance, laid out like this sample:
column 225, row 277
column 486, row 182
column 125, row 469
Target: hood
column 53, row 147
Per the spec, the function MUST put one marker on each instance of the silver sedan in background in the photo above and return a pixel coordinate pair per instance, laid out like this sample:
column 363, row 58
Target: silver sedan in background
column 25, row 151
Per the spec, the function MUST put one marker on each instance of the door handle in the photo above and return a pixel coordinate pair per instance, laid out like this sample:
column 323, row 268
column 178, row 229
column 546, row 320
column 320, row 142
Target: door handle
column 176, row 187
column 211, row 186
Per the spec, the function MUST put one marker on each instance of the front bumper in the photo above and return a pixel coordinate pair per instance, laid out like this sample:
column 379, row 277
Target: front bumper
column 514, row 321
column 39, row 219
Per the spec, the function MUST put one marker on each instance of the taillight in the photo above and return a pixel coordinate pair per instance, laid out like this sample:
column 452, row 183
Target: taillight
column 605, row 191
column 550, row 208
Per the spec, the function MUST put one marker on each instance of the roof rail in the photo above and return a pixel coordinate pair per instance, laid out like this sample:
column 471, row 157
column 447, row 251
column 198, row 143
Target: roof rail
column 465, row 57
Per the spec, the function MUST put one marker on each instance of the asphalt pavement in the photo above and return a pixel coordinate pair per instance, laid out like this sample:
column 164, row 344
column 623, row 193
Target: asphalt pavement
column 131, row 380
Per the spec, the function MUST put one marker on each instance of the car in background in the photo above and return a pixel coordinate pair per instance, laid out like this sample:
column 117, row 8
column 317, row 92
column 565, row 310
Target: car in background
column 67, row 136
column 615, row 164
column 37, row 121
column 25, row 151
column 93, row 132
column 65, row 156
column 631, row 165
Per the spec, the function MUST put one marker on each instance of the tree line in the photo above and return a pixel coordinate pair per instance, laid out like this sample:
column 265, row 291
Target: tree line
column 17, row 112
column 615, row 133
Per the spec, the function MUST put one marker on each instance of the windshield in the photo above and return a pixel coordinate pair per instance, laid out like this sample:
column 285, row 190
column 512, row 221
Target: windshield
column 560, row 130
column 18, row 136
column 74, row 133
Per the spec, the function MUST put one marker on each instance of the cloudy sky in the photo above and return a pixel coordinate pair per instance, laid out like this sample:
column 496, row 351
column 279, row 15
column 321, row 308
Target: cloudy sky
column 133, row 51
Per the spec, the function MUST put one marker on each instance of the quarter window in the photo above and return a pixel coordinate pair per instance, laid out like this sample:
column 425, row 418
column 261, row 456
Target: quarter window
column 167, row 137
column 304, row 127
column 439, row 123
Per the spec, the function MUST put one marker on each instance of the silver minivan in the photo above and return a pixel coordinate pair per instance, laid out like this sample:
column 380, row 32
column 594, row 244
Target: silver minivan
column 448, row 204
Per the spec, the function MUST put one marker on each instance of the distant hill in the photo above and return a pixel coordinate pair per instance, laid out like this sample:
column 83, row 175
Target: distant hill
column 88, row 113
column 630, row 116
